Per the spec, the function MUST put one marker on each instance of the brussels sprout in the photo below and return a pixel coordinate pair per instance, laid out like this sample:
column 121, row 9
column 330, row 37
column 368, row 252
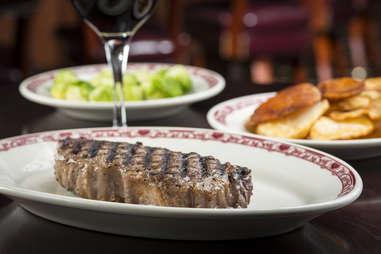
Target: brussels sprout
column 104, row 78
column 151, row 90
column 58, row 90
column 170, row 87
column 101, row 93
column 144, row 76
column 179, row 73
column 161, row 72
column 130, row 79
column 140, row 85
column 78, row 91
column 162, row 87
column 133, row 93
column 104, row 87
column 61, row 82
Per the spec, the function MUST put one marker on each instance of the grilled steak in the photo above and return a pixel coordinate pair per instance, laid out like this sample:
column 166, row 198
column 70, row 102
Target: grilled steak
column 137, row 174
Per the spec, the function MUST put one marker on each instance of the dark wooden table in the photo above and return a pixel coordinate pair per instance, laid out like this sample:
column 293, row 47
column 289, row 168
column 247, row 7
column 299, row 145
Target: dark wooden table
column 353, row 229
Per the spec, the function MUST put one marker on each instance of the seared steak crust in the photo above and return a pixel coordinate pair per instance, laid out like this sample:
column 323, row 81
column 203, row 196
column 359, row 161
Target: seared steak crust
column 137, row 174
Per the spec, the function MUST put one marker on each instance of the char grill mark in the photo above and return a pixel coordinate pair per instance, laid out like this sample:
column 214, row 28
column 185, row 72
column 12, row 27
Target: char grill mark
column 94, row 148
column 166, row 158
column 130, row 151
column 243, row 171
column 77, row 146
column 133, row 173
column 204, row 166
column 147, row 158
column 220, row 168
column 66, row 142
column 112, row 152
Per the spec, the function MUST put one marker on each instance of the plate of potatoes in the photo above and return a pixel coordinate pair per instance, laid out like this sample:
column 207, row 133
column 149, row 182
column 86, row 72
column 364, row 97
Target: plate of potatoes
column 340, row 116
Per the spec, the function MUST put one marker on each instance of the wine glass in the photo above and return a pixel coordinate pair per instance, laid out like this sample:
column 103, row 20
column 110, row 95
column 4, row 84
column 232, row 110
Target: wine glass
column 116, row 22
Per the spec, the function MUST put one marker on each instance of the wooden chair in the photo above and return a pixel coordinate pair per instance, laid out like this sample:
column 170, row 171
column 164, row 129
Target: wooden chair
column 261, row 32
column 20, row 11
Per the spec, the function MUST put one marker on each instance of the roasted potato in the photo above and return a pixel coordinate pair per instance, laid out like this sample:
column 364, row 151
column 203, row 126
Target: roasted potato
column 373, row 84
column 296, row 125
column 328, row 129
column 374, row 109
column 284, row 103
column 357, row 106
column 371, row 94
column 376, row 133
column 345, row 109
column 335, row 89
column 344, row 115
column 352, row 103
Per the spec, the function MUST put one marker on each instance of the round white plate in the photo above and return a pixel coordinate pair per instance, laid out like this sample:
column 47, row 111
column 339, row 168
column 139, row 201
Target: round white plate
column 232, row 114
column 292, row 185
column 206, row 84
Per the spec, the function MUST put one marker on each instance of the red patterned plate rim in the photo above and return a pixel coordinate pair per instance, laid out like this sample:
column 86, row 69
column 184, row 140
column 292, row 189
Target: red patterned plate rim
column 336, row 167
column 226, row 108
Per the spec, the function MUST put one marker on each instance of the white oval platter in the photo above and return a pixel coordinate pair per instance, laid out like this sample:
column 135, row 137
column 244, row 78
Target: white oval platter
column 292, row 185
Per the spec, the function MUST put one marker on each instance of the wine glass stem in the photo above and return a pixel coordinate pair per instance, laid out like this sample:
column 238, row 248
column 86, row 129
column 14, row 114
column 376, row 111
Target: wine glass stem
column 117, row 57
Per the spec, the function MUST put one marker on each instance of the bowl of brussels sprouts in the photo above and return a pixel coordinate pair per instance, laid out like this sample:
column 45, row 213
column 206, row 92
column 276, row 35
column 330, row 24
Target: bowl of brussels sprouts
column 150, row 90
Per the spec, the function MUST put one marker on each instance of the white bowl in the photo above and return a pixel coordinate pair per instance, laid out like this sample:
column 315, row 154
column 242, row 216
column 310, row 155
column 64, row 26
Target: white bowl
column 206, row 84
column 231, row 115
column 292, row 185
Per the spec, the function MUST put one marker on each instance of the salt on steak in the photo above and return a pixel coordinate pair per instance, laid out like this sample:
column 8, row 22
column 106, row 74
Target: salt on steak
column 137, row 174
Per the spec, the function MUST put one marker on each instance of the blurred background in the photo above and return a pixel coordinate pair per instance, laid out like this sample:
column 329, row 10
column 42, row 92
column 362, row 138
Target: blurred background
column 261, row 41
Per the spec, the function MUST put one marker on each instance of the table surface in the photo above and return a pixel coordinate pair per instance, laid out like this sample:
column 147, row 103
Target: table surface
column 353, row 229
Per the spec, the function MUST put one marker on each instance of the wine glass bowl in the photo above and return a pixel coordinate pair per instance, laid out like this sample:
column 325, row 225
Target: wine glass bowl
column 116, row 22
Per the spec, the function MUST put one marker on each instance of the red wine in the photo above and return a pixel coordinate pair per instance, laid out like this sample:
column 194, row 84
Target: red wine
column 112, row 17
